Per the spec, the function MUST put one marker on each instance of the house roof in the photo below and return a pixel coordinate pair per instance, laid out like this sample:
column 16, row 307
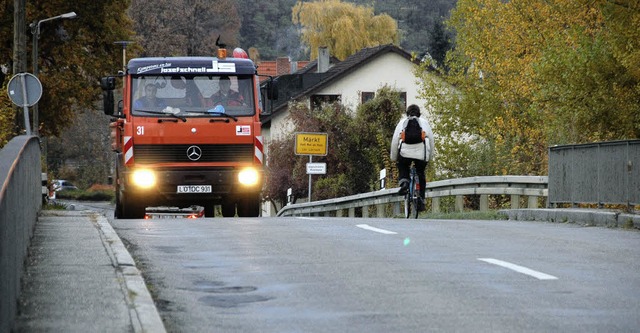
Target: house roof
column 307, row 82
column 277, row 67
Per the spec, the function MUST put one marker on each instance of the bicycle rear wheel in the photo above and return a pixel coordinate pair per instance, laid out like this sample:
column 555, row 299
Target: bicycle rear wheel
column 407, row 205
column 414, row 207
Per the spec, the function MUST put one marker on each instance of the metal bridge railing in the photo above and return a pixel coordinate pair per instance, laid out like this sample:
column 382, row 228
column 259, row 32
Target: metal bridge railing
column 533, row 187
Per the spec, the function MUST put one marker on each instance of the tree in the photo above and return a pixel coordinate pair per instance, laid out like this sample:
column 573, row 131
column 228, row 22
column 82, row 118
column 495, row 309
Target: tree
column 347, row 167
column 342, row 27
column 267, row 27
column 529, row 74
column 184, row 27
column 377, row 120
column 88, row 160
column 358, row 149
column 72, row 55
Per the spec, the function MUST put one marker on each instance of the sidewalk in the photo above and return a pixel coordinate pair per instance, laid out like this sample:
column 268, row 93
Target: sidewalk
column 80, row 278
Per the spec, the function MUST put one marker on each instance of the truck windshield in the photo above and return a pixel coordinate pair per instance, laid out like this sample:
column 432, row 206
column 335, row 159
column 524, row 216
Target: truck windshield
column 192, row 96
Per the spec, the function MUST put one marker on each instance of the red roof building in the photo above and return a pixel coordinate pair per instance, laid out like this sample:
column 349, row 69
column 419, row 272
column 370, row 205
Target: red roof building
column 279, row 66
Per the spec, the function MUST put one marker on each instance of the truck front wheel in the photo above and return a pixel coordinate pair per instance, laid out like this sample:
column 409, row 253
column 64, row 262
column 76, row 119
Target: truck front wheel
column 133, row 210
column 228, row 208
column 209, row 209
column 129, row 207
column 249, row 206
column 117, row 213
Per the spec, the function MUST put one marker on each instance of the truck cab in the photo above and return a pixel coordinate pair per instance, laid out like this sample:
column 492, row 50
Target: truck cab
column 187, row 132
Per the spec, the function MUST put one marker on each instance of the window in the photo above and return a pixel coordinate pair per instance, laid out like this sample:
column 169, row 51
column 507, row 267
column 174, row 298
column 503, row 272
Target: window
column 318, row 100
column 403, row 99
column 366, row 96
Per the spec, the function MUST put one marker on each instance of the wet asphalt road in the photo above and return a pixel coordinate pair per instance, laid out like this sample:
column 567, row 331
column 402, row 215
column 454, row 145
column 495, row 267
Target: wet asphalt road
column 382, row 275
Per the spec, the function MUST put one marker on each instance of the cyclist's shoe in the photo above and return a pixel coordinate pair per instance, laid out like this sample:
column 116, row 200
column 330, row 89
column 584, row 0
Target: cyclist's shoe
column 421, row 206
column 404, row 186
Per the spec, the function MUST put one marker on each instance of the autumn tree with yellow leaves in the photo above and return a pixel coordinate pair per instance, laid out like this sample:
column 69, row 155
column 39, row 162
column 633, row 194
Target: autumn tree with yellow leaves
column 529, row 74
column 343, row 27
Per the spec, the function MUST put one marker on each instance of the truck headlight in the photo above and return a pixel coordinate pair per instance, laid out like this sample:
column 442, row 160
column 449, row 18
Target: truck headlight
column 248, row 177
column 143, row 178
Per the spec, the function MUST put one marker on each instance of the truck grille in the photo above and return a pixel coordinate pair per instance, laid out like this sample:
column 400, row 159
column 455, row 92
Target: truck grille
column 178, row 153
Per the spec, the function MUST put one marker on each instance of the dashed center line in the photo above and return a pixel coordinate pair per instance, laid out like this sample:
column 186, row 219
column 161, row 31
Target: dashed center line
column 382, row 231
column 519, row 269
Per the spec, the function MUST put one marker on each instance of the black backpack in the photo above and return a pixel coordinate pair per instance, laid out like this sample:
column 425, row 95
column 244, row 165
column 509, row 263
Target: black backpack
column 413, row 133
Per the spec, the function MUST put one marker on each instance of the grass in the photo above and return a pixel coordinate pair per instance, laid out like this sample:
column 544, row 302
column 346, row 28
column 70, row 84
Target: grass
column 467, row 215
column 86, row 195
column 52, row 205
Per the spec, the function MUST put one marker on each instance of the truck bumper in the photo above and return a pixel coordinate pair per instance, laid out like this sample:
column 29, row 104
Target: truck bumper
column 223, row 181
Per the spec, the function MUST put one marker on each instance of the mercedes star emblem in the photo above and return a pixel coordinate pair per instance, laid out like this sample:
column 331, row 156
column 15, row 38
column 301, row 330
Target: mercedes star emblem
column 194, row 153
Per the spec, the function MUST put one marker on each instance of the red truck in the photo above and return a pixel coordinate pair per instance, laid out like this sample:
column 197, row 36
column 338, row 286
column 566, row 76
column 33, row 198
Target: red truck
column 182, row 140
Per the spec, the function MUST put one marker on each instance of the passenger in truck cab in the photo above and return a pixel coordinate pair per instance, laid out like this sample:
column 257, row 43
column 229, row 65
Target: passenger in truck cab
column 149, row 99
column 225, row 96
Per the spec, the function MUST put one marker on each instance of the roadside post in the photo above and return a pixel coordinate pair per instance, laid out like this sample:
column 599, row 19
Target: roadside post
column 312, row 144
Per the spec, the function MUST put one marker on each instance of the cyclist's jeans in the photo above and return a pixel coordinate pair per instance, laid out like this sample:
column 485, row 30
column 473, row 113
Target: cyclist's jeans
column 403, row 169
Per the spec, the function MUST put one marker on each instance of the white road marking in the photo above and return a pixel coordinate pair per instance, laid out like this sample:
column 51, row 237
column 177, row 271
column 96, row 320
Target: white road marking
column 382, row 231
column 307, row 218
column 519, row 269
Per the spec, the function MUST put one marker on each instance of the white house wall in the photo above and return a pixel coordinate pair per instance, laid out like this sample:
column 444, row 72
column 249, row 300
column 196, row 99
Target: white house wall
column 390, row 68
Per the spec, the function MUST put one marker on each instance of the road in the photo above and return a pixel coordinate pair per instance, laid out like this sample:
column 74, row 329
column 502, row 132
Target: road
column 386, row 275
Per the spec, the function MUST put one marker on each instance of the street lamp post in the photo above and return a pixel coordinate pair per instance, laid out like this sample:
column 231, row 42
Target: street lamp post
column 35, row 30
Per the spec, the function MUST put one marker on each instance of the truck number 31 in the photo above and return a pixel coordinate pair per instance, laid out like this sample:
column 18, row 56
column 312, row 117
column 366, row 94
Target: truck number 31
column 140, row 130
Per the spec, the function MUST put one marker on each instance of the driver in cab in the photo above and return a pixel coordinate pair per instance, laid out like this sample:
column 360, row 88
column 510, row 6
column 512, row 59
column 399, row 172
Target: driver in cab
column 149, row 99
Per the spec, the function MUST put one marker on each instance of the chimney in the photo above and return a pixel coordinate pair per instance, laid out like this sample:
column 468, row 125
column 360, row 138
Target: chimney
column 323, row 59
column 282, row 66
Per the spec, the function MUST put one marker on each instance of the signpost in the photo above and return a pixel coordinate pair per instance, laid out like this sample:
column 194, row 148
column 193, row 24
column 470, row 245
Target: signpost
column 25, row 90
column 312, row 144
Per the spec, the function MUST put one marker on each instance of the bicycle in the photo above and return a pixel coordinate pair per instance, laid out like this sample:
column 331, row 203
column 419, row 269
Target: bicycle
column 412, row 197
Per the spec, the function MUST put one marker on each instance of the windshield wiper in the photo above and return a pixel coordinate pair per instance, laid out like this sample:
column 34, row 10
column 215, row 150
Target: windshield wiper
column 167, row 114
column 221, row 114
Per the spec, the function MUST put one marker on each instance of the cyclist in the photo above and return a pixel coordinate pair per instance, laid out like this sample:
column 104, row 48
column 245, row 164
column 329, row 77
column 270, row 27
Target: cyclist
column 418, row 153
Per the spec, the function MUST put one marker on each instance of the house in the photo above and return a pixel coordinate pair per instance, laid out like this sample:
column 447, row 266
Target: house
column 352, row 81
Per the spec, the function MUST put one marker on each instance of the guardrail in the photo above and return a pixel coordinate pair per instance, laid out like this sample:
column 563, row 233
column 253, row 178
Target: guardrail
column 533, row 187
column 20, row 202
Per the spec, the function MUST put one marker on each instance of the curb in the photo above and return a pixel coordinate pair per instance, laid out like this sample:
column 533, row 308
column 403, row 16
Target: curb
column 144, row 313
column 585, row 217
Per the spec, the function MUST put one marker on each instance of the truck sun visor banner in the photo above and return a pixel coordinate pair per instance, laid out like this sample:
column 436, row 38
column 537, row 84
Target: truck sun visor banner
column 166, row 68
column 200, row 65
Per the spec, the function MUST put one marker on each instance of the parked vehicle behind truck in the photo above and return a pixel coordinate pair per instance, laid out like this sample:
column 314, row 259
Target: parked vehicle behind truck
column 187, row 145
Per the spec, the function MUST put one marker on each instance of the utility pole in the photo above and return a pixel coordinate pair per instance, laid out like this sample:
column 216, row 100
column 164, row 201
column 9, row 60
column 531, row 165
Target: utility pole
column 19, row 46
column 19, row 37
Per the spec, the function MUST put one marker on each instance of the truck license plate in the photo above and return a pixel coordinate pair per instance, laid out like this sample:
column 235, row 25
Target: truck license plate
column 194, row 189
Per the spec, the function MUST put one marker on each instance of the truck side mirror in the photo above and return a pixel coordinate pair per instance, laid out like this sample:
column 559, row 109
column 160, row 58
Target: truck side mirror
column 108, row 84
